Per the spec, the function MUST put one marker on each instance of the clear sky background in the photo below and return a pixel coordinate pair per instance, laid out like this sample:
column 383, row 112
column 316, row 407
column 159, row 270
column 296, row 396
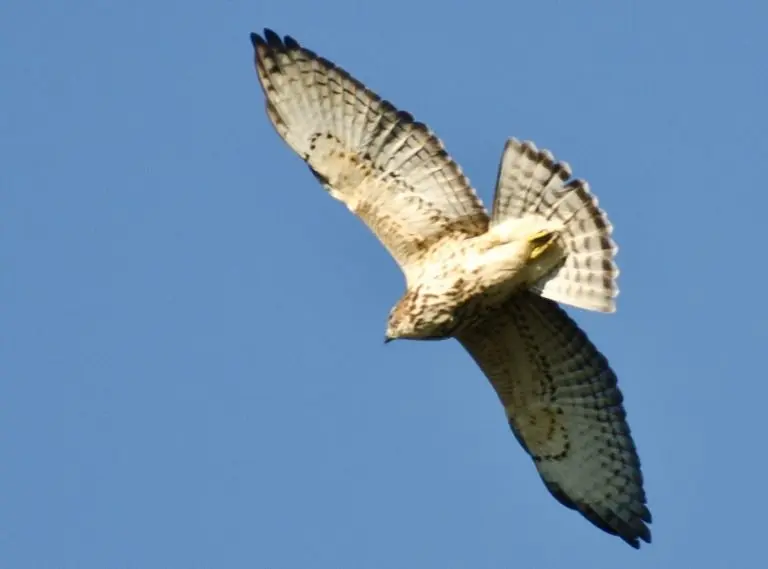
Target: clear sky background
column 192, row 371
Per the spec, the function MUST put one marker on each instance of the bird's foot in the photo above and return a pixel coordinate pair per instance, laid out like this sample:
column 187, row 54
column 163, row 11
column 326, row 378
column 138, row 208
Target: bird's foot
column 541, row 241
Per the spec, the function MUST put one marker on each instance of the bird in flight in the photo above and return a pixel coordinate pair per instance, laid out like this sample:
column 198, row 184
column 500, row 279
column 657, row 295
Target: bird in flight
column 492, row 281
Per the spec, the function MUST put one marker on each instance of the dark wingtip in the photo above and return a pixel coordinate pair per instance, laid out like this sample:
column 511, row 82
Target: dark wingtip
column 630, row 534
column 272, row 38
column 645, row 533
column 256, row 40
column 639, row 531
column 291, row 43
column 405, row 116
column 646, row 515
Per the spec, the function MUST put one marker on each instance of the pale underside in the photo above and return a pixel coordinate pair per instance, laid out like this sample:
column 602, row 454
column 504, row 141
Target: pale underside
column 558, row 391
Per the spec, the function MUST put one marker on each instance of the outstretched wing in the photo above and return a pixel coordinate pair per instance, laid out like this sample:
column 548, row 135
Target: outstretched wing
column 564, row 406
column 390, row 170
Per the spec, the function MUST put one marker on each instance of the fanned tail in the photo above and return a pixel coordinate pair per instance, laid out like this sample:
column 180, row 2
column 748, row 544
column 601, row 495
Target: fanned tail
column 530, row 182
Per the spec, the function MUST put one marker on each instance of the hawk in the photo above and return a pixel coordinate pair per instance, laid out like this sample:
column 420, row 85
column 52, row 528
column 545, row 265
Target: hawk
column 492, row 281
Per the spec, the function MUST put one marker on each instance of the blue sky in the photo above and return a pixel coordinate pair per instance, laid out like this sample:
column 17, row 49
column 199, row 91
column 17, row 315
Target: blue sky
column 191, row 363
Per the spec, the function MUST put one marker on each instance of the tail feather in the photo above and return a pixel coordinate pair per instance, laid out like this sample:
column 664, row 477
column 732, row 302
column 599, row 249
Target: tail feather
column 531, row 182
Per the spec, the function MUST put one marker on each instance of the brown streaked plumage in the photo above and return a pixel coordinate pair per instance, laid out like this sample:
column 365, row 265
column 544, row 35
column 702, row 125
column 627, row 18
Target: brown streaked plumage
column 492, row 282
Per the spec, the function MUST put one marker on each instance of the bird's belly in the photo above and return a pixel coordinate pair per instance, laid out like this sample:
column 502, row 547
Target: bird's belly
column 466, row 299
column 471, row 282
column 478, row 306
